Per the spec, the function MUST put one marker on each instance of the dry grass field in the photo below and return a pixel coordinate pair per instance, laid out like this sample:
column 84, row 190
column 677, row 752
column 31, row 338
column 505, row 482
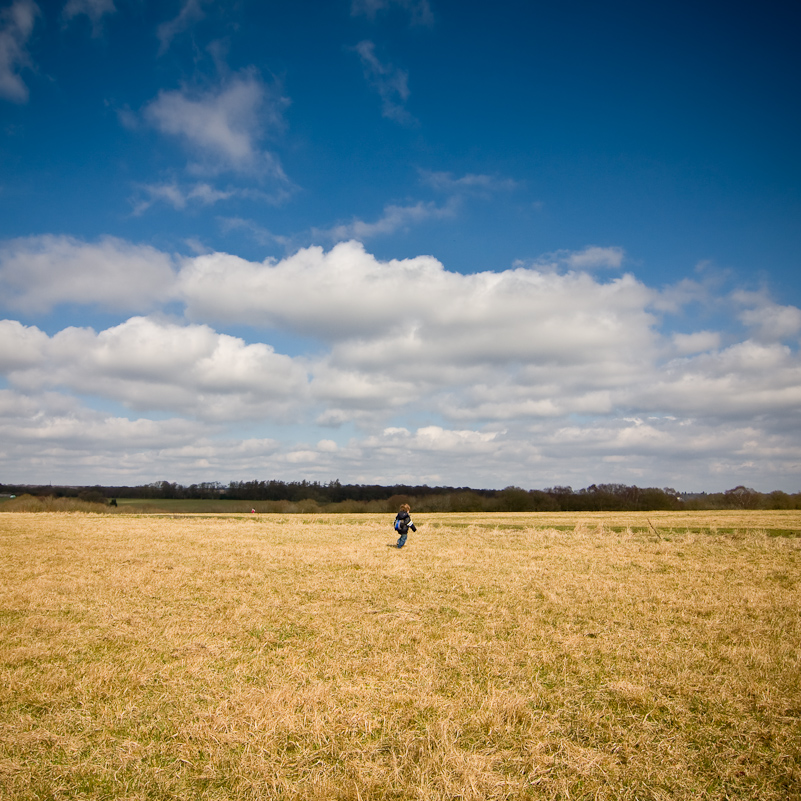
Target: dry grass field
column 594, row 656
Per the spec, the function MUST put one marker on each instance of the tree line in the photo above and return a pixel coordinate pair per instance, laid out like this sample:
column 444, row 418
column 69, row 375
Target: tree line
column 335, row 496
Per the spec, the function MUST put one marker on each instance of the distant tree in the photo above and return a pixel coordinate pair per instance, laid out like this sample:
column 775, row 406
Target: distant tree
column 562, row 496
column 393, row 503
column 780, row 500
column 168, row 490
column 657, row 499
column 542, row 502
column 513, row 499
column 742, row 498
column 92, row 496
column 465, row 500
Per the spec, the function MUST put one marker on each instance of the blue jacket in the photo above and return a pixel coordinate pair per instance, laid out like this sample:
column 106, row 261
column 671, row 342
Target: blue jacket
column 403, row 522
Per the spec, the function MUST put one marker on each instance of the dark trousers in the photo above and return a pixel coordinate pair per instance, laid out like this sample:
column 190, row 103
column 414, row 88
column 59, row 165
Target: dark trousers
column 402, row 539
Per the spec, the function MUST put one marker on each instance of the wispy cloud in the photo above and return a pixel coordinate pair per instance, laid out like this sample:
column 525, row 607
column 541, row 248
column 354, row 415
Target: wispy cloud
column 256, row 231
column 394, row 218
column 592, row 257
column 177, row 196
column 391, row 83
column 469, row 183
column 190, row 13
column 223, row 126
column 201, row 194
column 420, row 10
column 16, row 26
column 95, row 10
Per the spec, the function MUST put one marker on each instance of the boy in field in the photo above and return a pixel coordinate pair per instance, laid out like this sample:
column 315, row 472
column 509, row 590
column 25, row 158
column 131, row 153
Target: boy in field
column 403, row 522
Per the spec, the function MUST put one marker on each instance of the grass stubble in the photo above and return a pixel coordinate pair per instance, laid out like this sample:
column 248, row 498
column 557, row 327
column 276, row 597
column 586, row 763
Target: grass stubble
column 496, row 657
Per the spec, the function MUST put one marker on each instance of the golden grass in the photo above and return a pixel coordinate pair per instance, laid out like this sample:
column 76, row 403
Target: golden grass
column 583, row 656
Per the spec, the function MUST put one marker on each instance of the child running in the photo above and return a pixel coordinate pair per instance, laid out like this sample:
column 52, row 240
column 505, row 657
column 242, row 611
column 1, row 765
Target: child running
column 403, row 522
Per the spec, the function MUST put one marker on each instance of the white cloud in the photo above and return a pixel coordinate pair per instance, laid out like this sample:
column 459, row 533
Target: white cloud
column 770, row 321
column 528, row 376
column 224, row 125
column 501, row 348
column 515, row 343
column 20, row 346
column 54, row 437
column 595, row 256
column 686, row 344
column 434, row 438
column 676, row 297
column 51, row 437
column 391, row 83
column 69, row 428
column 343, row 293
column 16, row 26
column 40, row 272
column 152, row 365
column 742, row 381
column 415, row 311
column 354, row 391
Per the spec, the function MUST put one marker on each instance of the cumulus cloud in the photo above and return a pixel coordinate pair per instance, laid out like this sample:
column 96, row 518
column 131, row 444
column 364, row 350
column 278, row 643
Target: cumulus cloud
column 504, row 348
column 16, row 26
column 223, row 126
column 592, row 257
column 433, row 438
column 352, row 391
column 152, row 365
column 40, row 272
column 738, row 382
column 21, row 346
column 698, row 341
column 345, row 292
column 770, row 321
column 391, row 83
column 519, row 343
column 415, row 311
column 53, row 437
column 71, row 429
column 433, row 375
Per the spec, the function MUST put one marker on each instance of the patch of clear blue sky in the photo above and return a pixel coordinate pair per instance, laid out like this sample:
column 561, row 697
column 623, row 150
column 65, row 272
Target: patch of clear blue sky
column 668, row 129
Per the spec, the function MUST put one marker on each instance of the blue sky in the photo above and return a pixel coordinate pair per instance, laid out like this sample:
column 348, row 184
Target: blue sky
column 400, row 240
